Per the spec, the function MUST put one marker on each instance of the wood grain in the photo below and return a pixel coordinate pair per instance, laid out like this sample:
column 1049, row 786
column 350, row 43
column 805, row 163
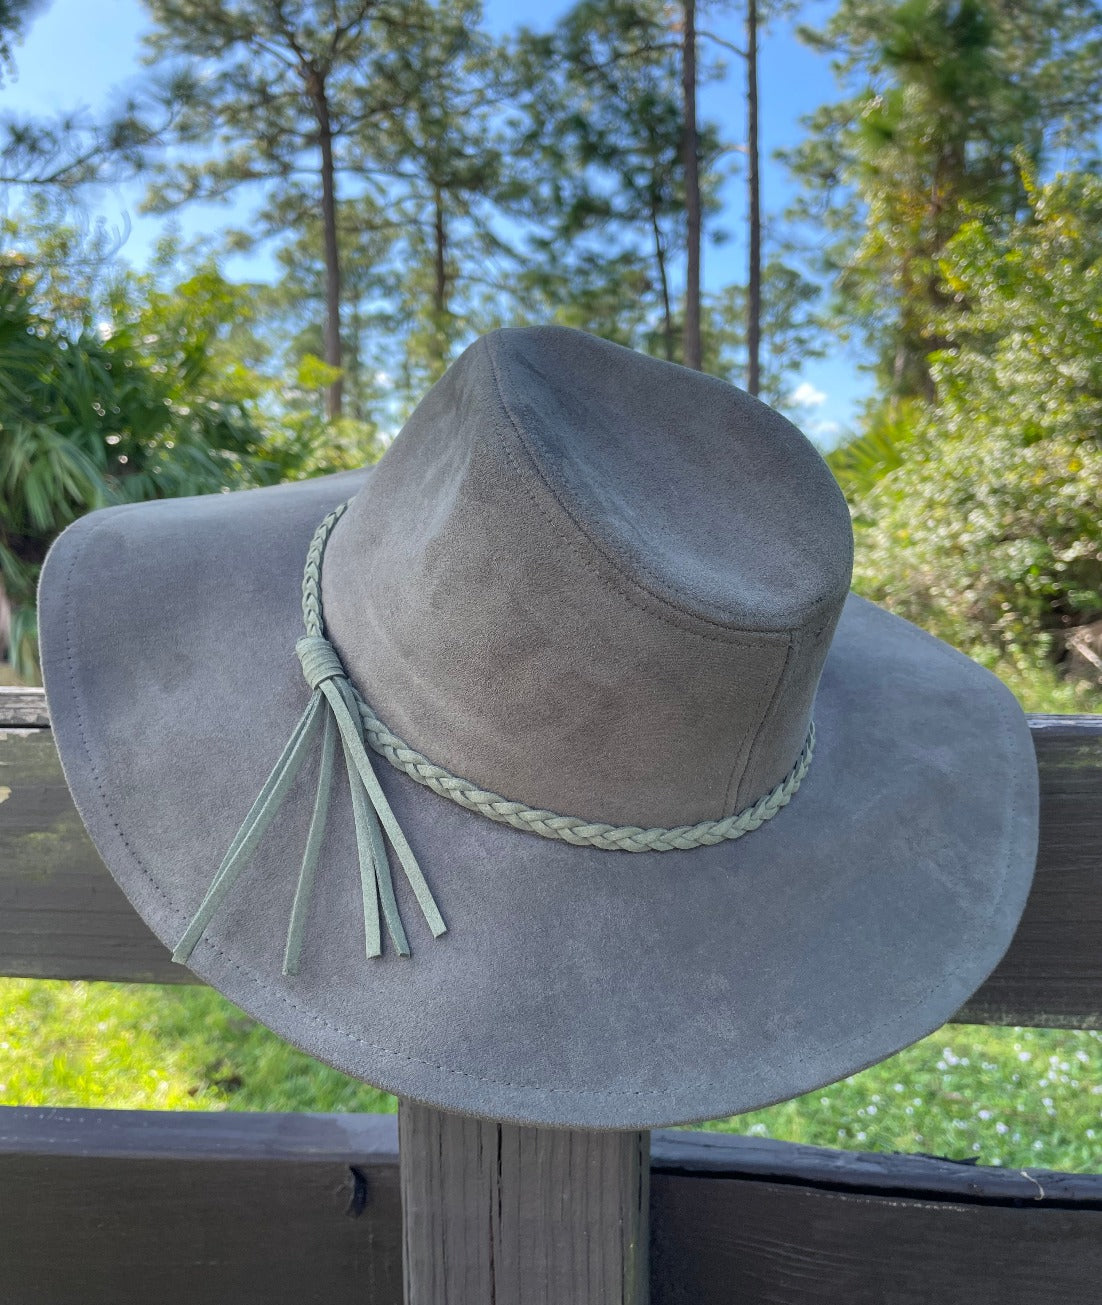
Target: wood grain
column 688, row 1153
column 125, row 1207
column 1052, row 972
column 23, row 707
column 762, row 1243
column 532, row 1216
column 128, row 1207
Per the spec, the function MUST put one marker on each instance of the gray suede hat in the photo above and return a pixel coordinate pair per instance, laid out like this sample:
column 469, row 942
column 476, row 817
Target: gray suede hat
column 592, row 796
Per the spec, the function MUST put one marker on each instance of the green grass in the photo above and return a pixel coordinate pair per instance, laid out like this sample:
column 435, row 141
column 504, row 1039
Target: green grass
column 1001, row 1096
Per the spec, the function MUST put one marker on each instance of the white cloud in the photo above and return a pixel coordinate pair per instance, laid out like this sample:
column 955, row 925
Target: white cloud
column 805, row 395
column 824, row 430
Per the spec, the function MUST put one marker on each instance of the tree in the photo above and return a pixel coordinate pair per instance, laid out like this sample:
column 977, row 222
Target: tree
column 753, row 185
column 280, row 93
column 291, row 312
column 117, row 387
column 691, row 347
column 756, row 13
column 984, row 525
column 14, row 16
column 444, row 158
column 945, row 97
column 95, row 414
column 71, row 150
column 605, row 174
column 789, row 332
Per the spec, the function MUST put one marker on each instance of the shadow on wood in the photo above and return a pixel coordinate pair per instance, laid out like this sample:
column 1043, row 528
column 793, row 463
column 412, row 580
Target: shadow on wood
column 122, row 1207
column 140, row 1206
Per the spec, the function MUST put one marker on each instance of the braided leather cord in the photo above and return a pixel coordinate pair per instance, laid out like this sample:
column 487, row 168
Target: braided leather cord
column 571, row 829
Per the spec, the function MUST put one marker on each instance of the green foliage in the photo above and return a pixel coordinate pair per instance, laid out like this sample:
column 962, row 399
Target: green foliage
column 14, row 16
column 986, row 529
column 91, row 417
column 946, row 97
column 1039, row 686
column 983, row 541
column 791, row 331
column 886, row 433
column 303, row 444
column 1014, row 1097
column 601, row 149
column 1020, row 1097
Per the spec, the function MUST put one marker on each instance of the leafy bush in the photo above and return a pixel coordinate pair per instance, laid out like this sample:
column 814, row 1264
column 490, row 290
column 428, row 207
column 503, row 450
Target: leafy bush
column 986, row 541
column 89, row 418
column 155, row 402
column 983, row 523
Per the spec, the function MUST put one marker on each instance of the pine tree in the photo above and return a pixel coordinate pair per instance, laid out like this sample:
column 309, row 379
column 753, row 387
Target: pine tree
column 280, row 93
column 949, row 99
column 606, row 151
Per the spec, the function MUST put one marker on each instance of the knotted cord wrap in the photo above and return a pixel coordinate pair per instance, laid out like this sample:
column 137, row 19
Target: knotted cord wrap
column 334, row 709
column 338, row 711
column 573, row 829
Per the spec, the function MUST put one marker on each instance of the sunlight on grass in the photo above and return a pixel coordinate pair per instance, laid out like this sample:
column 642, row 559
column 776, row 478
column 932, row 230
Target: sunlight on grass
column 1000, row 1096
column 1011, row 1096
column 156, row 1048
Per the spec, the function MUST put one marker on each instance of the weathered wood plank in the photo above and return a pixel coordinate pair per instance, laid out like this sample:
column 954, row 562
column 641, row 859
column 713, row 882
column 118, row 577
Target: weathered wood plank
column 243, row 1135
column 762, row 1243
column 1052, row 972
column 533, row 1216
column 22, row 707
column 125, row 1207
column 688, row 1153
column 61, row 915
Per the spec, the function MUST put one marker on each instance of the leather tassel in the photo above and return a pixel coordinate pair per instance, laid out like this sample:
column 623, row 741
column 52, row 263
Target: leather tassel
column 334, row 711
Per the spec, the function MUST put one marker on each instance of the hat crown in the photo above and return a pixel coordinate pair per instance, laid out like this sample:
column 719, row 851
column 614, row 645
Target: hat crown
column 593, row 582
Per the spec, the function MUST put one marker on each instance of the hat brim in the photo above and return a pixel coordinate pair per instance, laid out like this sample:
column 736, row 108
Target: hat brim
column 574, row 986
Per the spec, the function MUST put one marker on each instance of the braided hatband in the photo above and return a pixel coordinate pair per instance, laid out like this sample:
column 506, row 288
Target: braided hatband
column 571, row 829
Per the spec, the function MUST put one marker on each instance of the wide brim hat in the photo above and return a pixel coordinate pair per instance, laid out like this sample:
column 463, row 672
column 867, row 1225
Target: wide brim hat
column 587, row 587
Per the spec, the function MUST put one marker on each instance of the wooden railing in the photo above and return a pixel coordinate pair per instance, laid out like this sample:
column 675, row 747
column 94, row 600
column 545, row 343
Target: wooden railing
column 125, row 1207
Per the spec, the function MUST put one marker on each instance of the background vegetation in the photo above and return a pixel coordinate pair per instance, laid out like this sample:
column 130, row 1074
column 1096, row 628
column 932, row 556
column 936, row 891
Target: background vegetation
column 1000, row 1096
column 419, row 181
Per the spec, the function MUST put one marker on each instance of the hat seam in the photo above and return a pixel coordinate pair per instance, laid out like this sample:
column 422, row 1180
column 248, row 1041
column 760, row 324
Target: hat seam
column 746, row 754
column 617, row 563
column 730, row 635
column 543, row 1090
column 268, row 989
column 521, row 815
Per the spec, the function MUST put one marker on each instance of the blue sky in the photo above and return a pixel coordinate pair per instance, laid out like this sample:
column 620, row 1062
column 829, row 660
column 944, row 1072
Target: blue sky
column 85, row 53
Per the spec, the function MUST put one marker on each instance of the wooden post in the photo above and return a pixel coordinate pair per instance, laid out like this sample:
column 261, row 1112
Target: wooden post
column 529, row 1216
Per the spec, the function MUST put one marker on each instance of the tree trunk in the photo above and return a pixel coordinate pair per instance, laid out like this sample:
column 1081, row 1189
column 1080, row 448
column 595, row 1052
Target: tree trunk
column 335, row 392
column 753, row 297
column 693, row 356
column 664, row 282
column 440, row 286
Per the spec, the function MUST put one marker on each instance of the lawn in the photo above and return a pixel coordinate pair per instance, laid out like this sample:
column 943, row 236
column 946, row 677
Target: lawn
column 1001, row 1096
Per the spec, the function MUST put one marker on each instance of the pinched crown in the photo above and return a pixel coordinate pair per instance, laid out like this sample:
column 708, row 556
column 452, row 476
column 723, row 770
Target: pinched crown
column 593, row 582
